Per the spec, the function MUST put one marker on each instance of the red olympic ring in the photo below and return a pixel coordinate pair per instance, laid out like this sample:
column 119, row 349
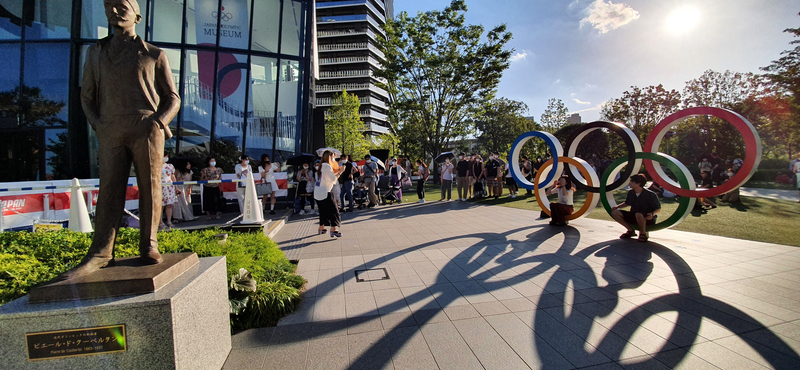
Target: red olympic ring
column 752, row 145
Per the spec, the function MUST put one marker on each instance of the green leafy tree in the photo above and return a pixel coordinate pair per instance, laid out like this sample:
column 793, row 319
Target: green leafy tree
column 438, row 71
column 641, row 109
column 554, row 116
column 784, row 74
column 500, row 123
column 343, row 126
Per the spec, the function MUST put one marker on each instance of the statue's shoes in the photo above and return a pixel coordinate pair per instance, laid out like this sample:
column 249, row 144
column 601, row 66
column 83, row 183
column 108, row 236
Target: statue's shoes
column 150, row 256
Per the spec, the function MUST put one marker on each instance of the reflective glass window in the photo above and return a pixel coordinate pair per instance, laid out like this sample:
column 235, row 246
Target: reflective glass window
column 10, row 19
column 201, row 22
column 57, row 154
column 21, row 156
column 46, row 77
column 231, row 89
column 235, row 25
column 197, row 103
column 294, row 26
column 9, row 68
column 261, row 123
column 51, row 20
column 289, row 103
column 94, row 24
column 166, row 20
column 266, row 23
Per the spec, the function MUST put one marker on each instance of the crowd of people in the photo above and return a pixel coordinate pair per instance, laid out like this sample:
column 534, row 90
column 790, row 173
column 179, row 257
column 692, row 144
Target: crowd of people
column 334, row 183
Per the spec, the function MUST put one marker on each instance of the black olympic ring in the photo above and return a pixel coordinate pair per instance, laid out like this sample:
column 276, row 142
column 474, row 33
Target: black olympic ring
column 631, row 142
column 225, row 16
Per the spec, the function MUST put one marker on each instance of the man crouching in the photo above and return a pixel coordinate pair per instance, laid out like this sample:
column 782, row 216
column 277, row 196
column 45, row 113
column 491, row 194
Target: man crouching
column 644, row 208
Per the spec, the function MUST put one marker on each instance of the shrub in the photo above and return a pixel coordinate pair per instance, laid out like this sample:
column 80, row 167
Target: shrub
column 27, row 259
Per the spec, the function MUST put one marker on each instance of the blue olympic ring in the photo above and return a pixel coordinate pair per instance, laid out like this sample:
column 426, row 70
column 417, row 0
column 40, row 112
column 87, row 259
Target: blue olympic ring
column 555, row 150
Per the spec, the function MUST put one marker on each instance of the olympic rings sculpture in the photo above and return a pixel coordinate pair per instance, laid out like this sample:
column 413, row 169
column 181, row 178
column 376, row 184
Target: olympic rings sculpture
column 604, row 185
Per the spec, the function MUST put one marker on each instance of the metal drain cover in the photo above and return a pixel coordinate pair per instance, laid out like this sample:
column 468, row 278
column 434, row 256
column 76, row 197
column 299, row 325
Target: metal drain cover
column 371, row 275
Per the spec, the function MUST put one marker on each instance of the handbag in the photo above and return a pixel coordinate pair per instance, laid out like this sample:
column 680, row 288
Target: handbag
column 406, row 183
column 261, row 188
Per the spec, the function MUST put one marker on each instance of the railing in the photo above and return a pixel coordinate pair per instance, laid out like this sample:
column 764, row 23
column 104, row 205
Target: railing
column 343, row 74
column 333, row 4
column 342, row 18
column 332, row 101
column 342, row 60
column 347, row 46
column 350, row 32
column 341, row 87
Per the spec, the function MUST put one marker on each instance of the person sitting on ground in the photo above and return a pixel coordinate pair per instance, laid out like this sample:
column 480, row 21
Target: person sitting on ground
column 733, row 195
column 644, row 208
column 707, row 183
column 563, row 208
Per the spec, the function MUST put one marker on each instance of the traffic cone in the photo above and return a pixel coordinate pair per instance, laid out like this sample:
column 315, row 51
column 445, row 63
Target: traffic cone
column 252, row 207
column 78, row 215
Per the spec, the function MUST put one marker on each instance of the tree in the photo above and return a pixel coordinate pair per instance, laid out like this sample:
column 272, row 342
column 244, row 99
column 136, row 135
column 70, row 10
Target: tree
column 343, row 126
column 641, row 109
column 784, row 73
column 554, row 116
column 500, row 123
column 438, row 70
column 701, row 135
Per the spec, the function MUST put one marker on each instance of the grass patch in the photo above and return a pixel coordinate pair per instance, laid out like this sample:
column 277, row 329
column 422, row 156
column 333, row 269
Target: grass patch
column 757, row 219
column 28, row 259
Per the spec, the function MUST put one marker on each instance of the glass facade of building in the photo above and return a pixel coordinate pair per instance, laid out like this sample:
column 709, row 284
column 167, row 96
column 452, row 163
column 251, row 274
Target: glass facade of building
column 241, row 67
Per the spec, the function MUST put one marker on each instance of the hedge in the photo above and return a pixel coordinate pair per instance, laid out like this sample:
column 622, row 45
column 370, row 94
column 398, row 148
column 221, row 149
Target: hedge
column 28, row 259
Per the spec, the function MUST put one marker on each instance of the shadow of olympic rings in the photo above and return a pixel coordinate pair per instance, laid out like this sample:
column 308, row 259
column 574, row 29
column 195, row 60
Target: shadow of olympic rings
column 571, row 267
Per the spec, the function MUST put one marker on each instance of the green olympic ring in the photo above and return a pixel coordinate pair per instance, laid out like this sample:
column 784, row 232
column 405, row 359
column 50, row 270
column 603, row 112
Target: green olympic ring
column 678, row 169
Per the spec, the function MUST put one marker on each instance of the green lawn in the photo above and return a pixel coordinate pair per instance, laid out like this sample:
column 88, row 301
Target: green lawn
column 758, row 219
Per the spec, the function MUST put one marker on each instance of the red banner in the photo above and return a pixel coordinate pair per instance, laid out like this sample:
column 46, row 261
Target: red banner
column 25, row 203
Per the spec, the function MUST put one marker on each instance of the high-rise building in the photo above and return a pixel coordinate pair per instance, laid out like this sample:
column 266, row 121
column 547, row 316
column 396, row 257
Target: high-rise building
column 347, row 33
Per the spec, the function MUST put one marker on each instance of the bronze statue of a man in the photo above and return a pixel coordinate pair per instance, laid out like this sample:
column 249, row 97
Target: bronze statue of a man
column 129, row 98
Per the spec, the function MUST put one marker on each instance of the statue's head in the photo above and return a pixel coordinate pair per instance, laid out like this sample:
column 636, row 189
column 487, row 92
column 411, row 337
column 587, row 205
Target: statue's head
column 122, row 13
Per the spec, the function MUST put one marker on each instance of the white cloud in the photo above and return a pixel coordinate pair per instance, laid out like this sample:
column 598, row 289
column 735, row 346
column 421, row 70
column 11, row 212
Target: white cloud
column 596, row 107
column 518, row 57
column 581, row 102
column 607, row 16
column 557, row 81
column 572, row 95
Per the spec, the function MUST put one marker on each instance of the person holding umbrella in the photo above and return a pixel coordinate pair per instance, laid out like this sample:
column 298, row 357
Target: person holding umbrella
column 370, row 170
column 328, row 212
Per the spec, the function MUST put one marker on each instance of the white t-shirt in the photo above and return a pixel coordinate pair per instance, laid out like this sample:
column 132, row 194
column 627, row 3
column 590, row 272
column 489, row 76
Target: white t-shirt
column 270, row 175
column 565, row 198
column 446, row 174
column 241, row 173
column 325, row 180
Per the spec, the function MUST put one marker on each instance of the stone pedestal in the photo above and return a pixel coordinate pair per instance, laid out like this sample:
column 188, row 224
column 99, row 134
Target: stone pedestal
column 183, row 325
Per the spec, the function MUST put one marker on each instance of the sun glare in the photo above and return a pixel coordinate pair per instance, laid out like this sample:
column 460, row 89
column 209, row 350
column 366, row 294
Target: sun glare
column 683, row 20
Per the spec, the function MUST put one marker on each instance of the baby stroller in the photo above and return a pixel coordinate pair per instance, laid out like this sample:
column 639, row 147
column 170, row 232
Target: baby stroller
column 391, row 195
column 360, row 194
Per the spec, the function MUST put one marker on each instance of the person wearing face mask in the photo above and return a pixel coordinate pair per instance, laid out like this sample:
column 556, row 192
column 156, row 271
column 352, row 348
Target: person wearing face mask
column 370, row 170
column 462, row 177
column 303, row 178
column 396, row 173
column 242, row 170
column 447, row 179
column 267, row 171
column 477, row 174
column 212, row 197
column 423, row 174
column 168, row 197
column 328, row 212
column 346, row 182
column 182, row 210
column 491, row 173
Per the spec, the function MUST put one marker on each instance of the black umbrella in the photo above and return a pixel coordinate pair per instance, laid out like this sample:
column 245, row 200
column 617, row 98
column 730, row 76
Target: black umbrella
column 441, row 157
column 300, row 159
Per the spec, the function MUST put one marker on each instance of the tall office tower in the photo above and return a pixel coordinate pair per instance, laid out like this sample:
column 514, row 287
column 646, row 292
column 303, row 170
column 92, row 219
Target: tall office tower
column 347, row 34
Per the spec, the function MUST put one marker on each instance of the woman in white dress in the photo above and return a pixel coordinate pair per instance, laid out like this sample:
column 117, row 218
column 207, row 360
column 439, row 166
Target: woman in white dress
column 183, row 209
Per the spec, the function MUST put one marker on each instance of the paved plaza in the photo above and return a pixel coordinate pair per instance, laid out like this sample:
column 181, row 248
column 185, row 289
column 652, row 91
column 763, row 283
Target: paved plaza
column 463, row 286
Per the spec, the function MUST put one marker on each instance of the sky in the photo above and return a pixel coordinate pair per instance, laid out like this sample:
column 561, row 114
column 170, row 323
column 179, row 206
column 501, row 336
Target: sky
column 587, row 52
